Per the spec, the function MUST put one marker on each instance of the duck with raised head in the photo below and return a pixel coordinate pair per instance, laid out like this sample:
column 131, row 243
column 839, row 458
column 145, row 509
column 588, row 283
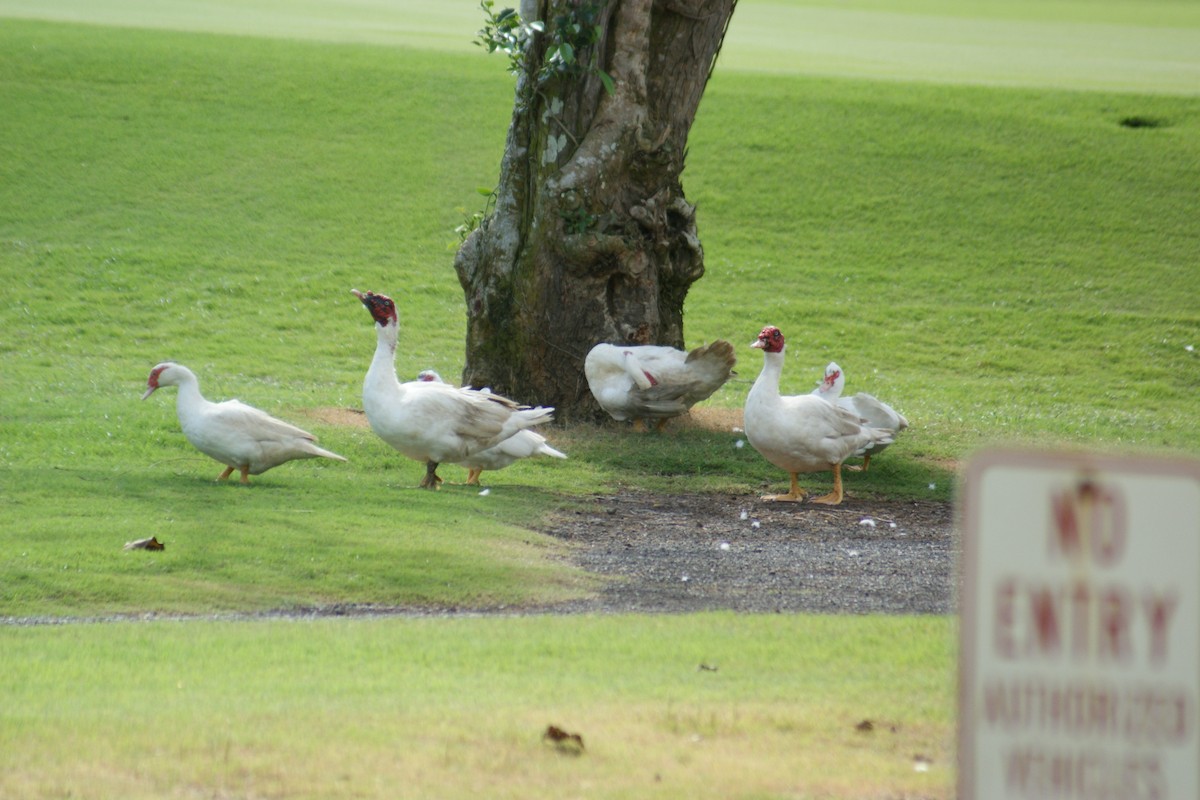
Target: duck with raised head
column 801, row 433
column 866, row 407
column 430, row 421
column 241, row 437
column 653, row 382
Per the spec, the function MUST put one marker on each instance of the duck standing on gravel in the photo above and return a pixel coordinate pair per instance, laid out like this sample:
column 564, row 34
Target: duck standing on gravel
column 801, row 433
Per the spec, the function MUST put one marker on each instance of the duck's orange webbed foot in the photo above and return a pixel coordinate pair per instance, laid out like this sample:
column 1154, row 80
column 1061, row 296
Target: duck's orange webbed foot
column 794, row 495
column 834, row 497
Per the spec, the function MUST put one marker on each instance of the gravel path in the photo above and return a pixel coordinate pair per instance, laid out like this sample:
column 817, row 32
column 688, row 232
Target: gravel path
column 676, row 554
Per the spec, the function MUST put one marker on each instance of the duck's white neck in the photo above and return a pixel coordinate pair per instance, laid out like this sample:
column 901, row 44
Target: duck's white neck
column 633, row 368
column 768, row 380
column 382, row 372
column 188, row 399
column 831, row 390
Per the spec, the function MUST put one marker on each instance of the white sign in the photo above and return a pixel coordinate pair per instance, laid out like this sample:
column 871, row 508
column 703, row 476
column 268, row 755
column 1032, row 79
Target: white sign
column 1079, row 662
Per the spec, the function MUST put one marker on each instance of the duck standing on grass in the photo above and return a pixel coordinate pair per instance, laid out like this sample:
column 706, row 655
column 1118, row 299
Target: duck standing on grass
column 430, row 421
column 801, row 433
column 655, row 382
column 239, row 436
column 522, row 444
column 875, row 412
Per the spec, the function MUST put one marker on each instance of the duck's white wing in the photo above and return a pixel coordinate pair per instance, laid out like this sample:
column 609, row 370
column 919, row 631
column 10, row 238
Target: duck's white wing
column 877, row 413
column 244, row 420
column 240, row 435
column 831, row 432
column 448, row 424
column 522, row 444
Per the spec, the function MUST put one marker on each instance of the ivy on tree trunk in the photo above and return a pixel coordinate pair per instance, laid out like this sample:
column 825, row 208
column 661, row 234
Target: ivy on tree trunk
column 591, row 238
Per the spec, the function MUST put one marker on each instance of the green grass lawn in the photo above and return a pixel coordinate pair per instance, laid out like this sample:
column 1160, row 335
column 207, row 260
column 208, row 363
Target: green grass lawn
column 703, row 706
column 994, row 253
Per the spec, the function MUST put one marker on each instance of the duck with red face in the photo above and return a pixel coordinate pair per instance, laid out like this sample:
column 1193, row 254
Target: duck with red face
column 801, row 433
column 239, row 436
column 430, row 421
column 868, row 408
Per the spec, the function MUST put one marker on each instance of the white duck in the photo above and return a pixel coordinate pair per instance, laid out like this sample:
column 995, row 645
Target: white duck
column 872, row 410
column 429, row 421
column 522, row 444
column 655, row 382
column 801, row 433
column 239, row 436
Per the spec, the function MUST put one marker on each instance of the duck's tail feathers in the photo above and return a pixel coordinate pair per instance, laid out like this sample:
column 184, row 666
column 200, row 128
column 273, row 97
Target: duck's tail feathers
column 323, row 453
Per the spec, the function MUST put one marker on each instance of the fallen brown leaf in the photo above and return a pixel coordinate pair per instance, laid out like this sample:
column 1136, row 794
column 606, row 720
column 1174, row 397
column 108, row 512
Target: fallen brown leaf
column 145, row 544
column 563, row 741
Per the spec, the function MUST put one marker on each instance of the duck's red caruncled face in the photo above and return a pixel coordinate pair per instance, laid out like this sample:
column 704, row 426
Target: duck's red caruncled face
column 769, row 340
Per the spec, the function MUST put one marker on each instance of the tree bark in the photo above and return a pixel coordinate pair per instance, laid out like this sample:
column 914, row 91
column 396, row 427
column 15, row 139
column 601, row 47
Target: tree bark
column 591, row 238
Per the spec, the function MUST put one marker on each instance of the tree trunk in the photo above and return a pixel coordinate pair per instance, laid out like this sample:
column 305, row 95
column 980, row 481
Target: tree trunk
column 591, row 238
